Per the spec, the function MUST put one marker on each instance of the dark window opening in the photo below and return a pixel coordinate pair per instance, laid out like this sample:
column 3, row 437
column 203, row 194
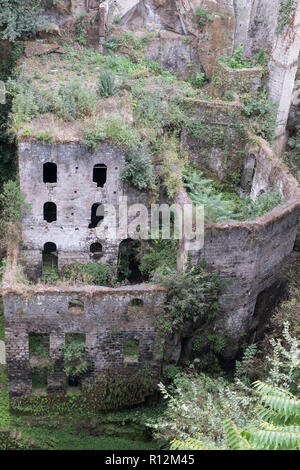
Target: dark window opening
column 75, row 346
column 76, row 307
column 97, row 215
column 129, row 262
column 100, row 175
column 50, row 212
column 39, row 345
column 131, row 351
column 50, row 172
column 50, row 261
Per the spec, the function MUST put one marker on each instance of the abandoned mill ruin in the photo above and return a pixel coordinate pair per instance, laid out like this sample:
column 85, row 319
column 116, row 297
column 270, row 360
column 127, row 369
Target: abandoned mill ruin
column 152, row 102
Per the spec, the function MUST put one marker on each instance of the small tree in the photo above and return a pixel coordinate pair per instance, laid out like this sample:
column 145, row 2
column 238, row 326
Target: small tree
column 75, row 357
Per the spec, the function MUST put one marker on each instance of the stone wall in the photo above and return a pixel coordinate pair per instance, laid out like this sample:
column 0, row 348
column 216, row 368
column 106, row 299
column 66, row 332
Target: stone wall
column 107, row 322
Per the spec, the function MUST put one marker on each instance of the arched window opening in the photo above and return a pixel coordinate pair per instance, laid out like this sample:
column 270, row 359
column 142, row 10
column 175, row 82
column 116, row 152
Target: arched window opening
column 50, row 212
column 50, row 172
column 97, row 215
column 50, row 261
column 100, row 175
column 129, row 262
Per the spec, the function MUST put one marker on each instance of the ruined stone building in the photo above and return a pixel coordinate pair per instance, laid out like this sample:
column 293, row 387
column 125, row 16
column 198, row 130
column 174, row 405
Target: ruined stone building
column 65, row 183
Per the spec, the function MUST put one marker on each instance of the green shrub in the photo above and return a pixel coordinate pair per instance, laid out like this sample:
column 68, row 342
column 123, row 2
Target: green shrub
column 202, row 16
column 24, row 107
column 261, row 57
column 27, row 132
column 151, row 107
column 94, row 133
column 229, row 95
column 80, row 33
column 69, row 101
column 106, row 83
